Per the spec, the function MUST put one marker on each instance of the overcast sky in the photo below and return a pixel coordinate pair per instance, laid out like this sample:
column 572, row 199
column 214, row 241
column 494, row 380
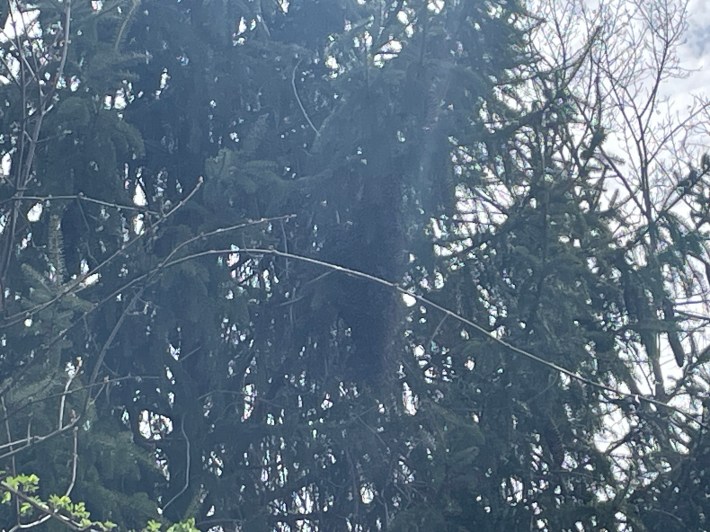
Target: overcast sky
column 695, row 53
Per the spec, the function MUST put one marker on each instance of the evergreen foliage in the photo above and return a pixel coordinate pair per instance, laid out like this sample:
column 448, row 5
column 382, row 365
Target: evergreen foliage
column 213, row 212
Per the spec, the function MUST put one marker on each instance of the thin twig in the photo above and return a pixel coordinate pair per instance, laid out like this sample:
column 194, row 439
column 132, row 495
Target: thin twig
column 75, row 463
column 479, row 328
column 13, row 465
column 31, row 440
column 298, row 99
column 28, row 403
column 107, row 345
column 187, row 466
column 63, row 397
column 20, row 316
column 81, row 197
column 41, row 507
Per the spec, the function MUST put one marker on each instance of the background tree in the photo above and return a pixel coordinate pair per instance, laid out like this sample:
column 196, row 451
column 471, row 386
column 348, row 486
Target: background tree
column 63, row 210
column 654, row 168
column 206, row 260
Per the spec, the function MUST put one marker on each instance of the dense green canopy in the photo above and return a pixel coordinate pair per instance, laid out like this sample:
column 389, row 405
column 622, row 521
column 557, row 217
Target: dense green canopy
column 212, row 211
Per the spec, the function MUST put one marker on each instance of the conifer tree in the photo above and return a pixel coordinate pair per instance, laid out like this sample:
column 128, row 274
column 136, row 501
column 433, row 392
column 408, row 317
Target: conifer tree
column 341, row 265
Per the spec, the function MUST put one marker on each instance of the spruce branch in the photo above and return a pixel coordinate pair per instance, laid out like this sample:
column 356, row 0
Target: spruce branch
column 448, row 312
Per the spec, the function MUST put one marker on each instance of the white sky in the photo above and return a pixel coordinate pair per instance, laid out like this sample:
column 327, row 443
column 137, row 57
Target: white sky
column 695, row 53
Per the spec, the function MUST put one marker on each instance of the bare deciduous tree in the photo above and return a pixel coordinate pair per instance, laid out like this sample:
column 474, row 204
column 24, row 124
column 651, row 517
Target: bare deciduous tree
column 621, row 63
